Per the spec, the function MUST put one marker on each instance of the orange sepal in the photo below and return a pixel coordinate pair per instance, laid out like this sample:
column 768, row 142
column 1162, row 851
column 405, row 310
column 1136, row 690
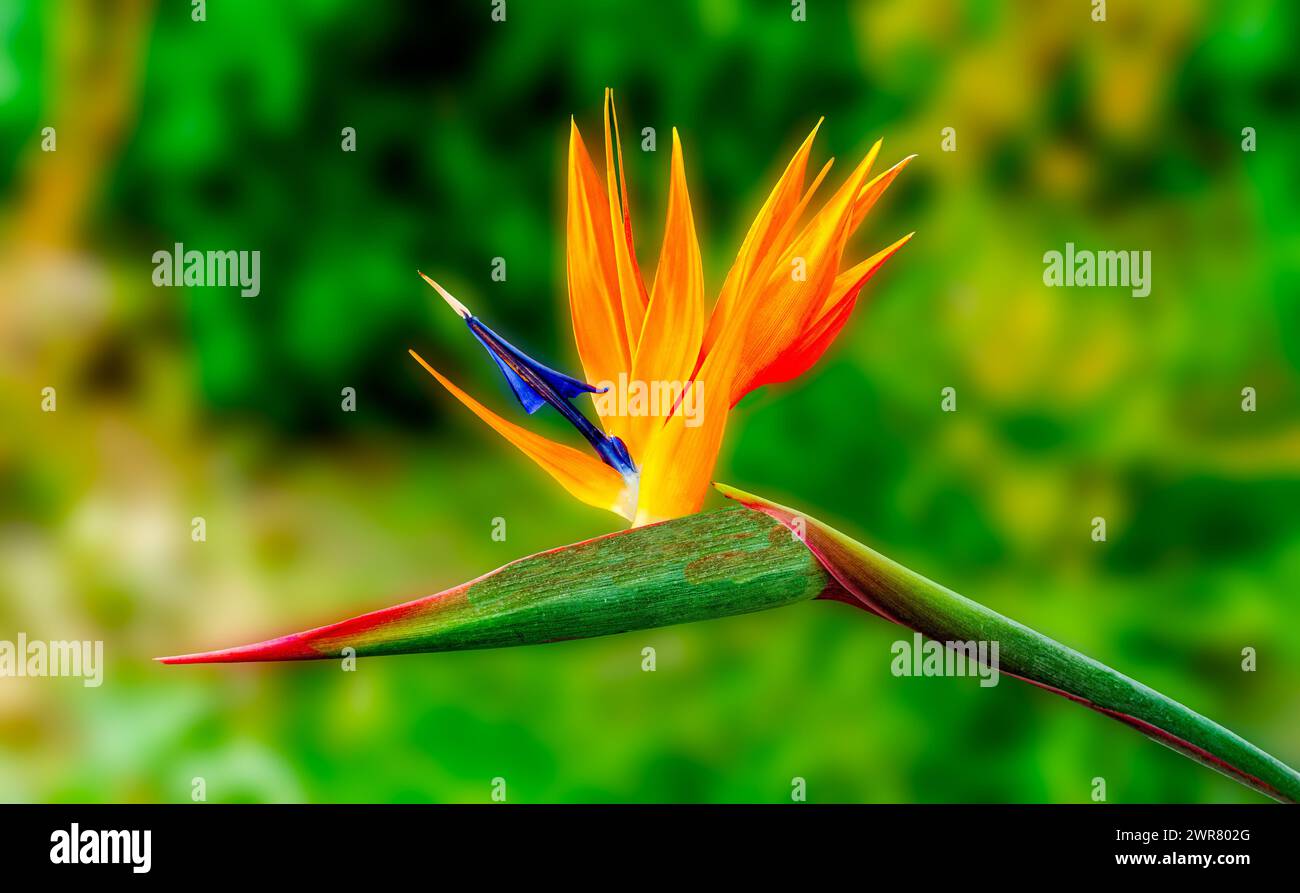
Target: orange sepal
column 594, row 293
column 814, row 341
column 674, row 320
column 632, row 290
column 585, row 477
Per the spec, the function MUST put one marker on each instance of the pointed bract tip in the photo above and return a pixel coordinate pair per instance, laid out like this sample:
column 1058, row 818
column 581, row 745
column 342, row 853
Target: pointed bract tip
column 448, row 297
column 735, row 493
column 292, row 647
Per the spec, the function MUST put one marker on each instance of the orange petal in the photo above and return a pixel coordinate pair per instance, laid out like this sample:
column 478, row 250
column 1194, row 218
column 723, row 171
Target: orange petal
column 785, row 306
column 674, row 320
column 772, row 218
column 845, row 198
column 857, row 275
column 873, row 189
column 763, row 269
column 594, row 299
column 631, row 286
column 585, row 477
column 814, row 340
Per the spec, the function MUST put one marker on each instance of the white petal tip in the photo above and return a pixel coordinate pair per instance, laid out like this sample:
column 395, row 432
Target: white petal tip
column 447, row 296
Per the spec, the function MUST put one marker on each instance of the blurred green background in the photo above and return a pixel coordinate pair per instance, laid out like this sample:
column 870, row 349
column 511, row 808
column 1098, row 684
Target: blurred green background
column 1072, row 403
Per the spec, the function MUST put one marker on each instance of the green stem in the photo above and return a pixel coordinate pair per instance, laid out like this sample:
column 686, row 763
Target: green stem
column 903, row 596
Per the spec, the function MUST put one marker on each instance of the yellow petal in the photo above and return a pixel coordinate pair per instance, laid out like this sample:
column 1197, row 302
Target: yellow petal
column 670, row 337
column 585, row 477
column 678, row 468
column 631, row 286
column 594, row 298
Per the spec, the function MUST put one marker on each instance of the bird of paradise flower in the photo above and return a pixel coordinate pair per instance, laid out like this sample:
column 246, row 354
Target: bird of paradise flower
column 767, row 326
column 785, row 299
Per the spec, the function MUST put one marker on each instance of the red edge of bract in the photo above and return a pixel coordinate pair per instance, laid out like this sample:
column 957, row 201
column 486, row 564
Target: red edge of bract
column 1164, row 737
column 307, row 645
column 850, row 594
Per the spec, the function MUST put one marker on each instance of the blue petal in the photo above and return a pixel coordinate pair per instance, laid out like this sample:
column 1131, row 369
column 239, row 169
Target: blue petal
column 614, row 454
column 565, row 385
column 535, row 385
column 528, row 398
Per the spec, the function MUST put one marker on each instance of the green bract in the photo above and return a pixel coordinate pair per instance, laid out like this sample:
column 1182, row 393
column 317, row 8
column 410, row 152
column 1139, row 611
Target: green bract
column 739, row 560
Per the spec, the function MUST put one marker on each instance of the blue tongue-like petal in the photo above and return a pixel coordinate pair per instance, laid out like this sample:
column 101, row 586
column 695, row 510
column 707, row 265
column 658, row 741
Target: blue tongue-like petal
column 565, row 385
column 534, row 385
column 529, row 398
